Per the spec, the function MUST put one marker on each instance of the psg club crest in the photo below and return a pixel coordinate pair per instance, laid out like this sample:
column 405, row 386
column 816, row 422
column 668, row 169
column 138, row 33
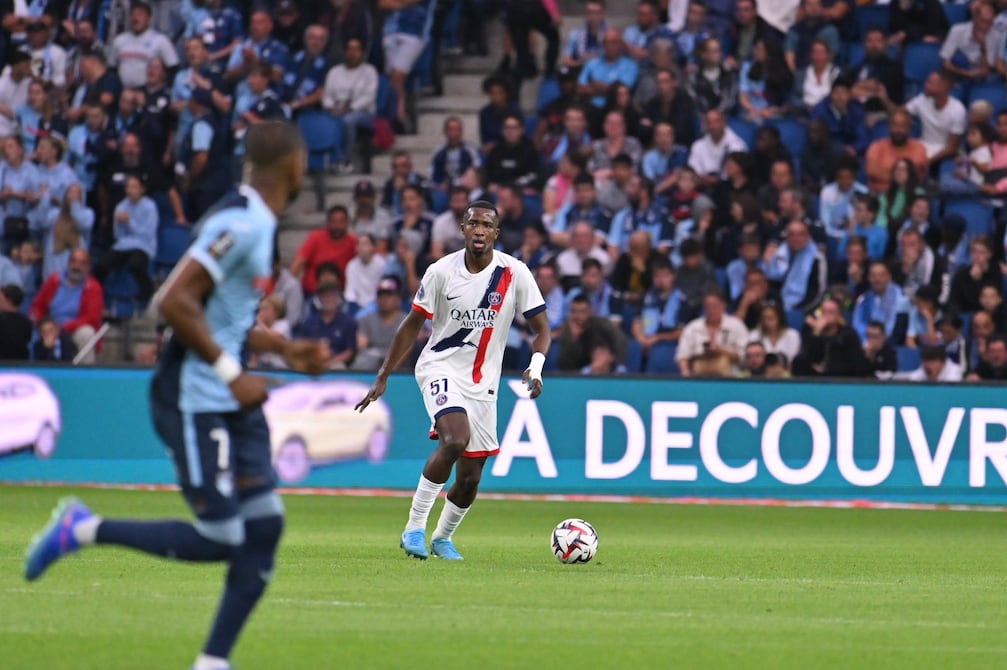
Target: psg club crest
column 495, row 298
column 441, row 399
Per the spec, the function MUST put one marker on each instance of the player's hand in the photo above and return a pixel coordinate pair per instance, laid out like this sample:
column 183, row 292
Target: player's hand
column 534, row 385
column 373, row 394
column 249, row 390
column 308, row 356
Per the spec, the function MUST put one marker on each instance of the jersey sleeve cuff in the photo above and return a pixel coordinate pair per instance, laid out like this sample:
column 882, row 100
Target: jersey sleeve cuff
column 209, row 263
column 417, row 308
column 534, row 311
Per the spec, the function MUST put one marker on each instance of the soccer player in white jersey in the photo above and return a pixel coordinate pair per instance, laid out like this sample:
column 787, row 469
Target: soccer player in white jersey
column 471, row 296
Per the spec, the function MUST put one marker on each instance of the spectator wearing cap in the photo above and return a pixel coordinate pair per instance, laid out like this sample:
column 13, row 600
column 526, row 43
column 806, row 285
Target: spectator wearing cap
column 351, row 90
column 934, row 367
column 202, row 165
column 406, row 33
column 15, row 327
column 797, row 267
column 883, row 153
column 132, row 50
column 259, row 46
column 844, row 117
column 331, row 244
column 14, row 82
column 48, row 60
column 369, row 219
column 363, row 274
column 333, row 325
column 135, row 238
column 610, row 66
column 446, row 232
column 707, row 154
column 74, row 299
column 100, row 85
column 812, row 27
column 452, row 158
column 514, row 160
column 63, row 228
column 305, row 76
column 289, row 25
column 376, row 330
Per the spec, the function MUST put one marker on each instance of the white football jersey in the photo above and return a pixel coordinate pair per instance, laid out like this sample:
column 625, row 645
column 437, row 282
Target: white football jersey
column 471, row 315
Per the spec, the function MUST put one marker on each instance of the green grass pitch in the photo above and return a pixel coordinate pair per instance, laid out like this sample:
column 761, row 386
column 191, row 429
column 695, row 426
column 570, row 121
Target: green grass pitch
column 671, row 587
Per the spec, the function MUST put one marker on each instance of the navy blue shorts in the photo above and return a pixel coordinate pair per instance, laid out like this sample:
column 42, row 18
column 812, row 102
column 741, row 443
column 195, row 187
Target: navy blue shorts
column 221, row 459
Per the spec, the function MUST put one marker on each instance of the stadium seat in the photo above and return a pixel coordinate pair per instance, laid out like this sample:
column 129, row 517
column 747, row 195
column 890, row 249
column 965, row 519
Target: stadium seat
column 662, row 359
column 720, row 274
column 879, row 130
column 386, row 104
column 439, row 201
column 854, row 55
column 530, row 122
column 919, row 60
column 121, row 294
column 978, row 214
column 871, row 16
column 548, row 91
column 172, row 241
column 793, row 134
column 907, row 359
column 956, row 13
column 795, row 319
column 552, row 359
column 743, row 129
column 323, row 135
column 995, row 94
column 634, row 357
column 532, row 206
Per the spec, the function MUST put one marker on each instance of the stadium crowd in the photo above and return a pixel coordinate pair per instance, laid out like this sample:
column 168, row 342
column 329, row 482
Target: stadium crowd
column 719, row 188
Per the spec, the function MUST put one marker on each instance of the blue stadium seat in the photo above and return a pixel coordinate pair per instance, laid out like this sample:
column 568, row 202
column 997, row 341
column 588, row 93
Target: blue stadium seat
column 634, row 357
column 386, row 104
column 871, row 16
column 907, row 359
column 879, row 130
column 743, row 129
column 530, row 122
column 552, row 359
column 720, row 274
column 439, row 200
column 323, row 135
column 548, row 91
column 121, row 293
column 793, row 134
column 795, row 319
column 854, row 55
column 995, row 94
column 172, row 241
column 956, row 13
column 532, row 206
column 978, row 214
column 919, row 60
column 662, row 359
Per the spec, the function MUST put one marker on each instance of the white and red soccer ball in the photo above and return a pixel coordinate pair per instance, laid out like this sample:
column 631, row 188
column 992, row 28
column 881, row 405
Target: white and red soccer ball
column 574, row 541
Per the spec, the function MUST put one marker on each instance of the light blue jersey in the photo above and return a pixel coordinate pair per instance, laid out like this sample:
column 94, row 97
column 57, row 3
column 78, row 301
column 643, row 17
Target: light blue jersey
column 234, row 243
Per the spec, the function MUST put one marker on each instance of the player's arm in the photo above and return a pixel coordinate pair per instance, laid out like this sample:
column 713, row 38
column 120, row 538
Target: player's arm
column 539, row 325
column 180, row 301
column 402, row 344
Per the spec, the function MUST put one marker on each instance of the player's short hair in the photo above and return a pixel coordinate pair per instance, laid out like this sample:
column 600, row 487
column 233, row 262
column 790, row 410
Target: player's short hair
column 269, row 142
column 483, row 204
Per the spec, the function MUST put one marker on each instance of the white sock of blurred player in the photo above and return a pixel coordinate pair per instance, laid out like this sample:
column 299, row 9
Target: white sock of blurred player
column 451, row 516
column 423, row 500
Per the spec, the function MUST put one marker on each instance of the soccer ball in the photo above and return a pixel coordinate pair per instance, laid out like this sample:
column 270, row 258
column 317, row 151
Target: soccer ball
column 574, row 541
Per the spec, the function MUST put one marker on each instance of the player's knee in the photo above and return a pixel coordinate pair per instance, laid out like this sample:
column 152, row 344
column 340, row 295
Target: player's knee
column 468, row 479
column 227, row 532
column 263, row 517
column 454, row 444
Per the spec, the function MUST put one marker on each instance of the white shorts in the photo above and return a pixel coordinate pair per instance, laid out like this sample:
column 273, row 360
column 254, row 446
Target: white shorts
column 402, row 50
column 440, row 397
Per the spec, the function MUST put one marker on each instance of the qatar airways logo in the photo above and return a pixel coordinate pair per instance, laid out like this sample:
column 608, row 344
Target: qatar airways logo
column 475, row 318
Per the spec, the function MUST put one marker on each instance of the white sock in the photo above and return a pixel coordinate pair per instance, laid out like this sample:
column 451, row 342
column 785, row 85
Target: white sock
column 85, row 531
column 451, row 517
column 204, row 662
column 423, row 500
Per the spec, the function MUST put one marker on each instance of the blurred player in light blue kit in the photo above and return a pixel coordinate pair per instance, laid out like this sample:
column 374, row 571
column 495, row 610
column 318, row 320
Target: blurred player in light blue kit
column 206, row 408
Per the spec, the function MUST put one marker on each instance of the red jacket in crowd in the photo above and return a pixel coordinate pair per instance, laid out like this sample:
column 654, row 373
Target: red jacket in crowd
column 92, row 303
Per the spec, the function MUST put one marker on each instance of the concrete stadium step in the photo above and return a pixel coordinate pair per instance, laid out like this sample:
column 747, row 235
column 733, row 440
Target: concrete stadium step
column 452, row 104
column 464, row 84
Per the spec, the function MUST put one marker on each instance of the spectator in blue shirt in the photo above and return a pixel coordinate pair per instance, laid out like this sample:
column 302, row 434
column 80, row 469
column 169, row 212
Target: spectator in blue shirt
column 256, row 104
column 584, row 42
column 54, row 175
column 547, row 279
column 594, row 287
column 835, row 202
column 696, row 29
column 609, row 67
column 304, row 78
column 661, row 318
column 135, row 238
column 260, row 46
column 63, row 229
column 844, row 117
column 638, row 35
column 332, row 324
column 454, row 157
column 864, row 224
column 37, row 118
column 198, row 76
column 87, row 147
column 885, row 303
column 491, row 117
column 406, row 33
column 19, row 183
